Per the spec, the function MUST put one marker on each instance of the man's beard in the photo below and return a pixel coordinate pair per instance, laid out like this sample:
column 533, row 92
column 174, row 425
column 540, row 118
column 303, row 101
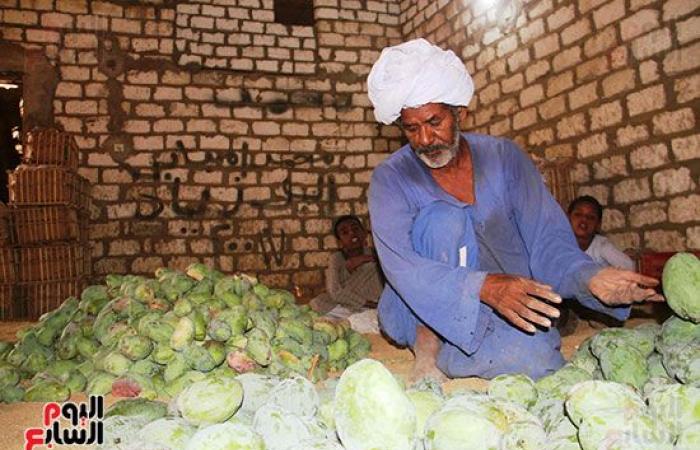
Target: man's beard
column 438, row 156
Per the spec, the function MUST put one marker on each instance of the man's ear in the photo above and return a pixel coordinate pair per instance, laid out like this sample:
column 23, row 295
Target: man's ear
column 462, row 113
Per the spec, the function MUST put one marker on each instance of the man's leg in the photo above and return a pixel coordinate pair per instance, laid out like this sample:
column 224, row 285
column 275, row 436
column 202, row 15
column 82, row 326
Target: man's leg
column 440, row 230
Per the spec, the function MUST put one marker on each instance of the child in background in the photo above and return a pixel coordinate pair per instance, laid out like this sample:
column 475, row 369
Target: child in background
column 353, row 277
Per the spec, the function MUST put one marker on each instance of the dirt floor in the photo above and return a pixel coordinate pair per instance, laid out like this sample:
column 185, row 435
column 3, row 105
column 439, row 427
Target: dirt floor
column 15, row 418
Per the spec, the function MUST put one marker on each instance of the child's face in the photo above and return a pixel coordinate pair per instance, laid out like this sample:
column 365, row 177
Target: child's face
column 584, row 221
column 351, row 235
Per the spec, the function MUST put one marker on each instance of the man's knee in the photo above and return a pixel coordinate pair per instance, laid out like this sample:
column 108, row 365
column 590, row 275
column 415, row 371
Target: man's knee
column 439, row 228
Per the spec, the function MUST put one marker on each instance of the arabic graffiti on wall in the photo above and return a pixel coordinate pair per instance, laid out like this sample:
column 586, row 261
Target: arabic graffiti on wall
column 160, row 192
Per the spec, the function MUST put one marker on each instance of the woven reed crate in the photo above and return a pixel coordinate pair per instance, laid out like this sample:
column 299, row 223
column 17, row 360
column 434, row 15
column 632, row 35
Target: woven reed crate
column 8, row 262
column 4, row 224
column 7, row 302
column 51, row 147
column 557, row 178
column 45, row 185
column 32, row 225
column 36, row 298
column 54, row 262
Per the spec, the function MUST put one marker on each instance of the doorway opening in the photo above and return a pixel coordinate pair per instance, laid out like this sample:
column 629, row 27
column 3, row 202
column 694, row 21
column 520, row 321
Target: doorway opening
column 10, row 127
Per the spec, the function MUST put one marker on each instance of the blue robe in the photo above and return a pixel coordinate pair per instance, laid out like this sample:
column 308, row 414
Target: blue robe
column 515, row 227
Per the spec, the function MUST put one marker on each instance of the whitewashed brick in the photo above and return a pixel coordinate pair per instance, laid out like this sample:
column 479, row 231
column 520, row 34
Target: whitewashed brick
column 693, row 234
column 672, row 181
column 684, row 209
column 639, row 23
column 606, row 115
column 686, row 148
column 519, row 59
column 600, row 192
column 610, row 167
column 217, row 142
column 593, row 145
column 137, row 126
column 621, row 81
column 646, row 100
column 674, row 121
column 20, row 17
column 576, row 31
column 688, row 30
column 632, row 190
column 566, row 59
column 560, row 83
column 75, row 73
column 531, row 95
column 81, row 107
column 649, row 156
column 149, row 143
column 600, row 42
column 683, row 59
column 168, row 126
column 43, row 36
column 664, row 241
column 592, row 69
column 609, row 13
column 651, row 44
column 524, row 118
column 552, row 108
column 625, row 240
column 546, row 46
column 150, row 110
column 648, row 213
column 631, row 134
column 583, row 95
column 167, row 93
column 127, row 26
column 674, row 9
column 586, row 5
column 613, row 219
column 574, row 125
column 687, row 89
column 100, row 160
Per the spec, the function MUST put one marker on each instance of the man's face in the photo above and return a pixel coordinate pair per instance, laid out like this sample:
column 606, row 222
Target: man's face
column 584, row 221
column 432, row 131
column 351, row 235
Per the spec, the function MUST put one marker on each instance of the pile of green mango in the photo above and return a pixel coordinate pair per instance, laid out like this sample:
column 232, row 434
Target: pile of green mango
column 150, row 337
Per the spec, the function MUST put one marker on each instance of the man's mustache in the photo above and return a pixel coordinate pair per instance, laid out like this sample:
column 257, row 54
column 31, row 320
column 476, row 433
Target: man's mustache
column 431, row 148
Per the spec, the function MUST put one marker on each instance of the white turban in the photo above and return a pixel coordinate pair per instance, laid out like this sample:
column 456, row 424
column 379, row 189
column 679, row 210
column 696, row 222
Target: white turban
column 415, row 73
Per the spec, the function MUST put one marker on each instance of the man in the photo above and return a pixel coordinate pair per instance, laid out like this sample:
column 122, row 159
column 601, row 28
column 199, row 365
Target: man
column 474, row 248
column 586, row 215
column 353, row 279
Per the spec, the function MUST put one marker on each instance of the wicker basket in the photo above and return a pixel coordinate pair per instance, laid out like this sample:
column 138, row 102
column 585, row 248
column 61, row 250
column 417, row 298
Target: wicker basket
column 50, row 147
column 7, row 302
column 55, row 262
column 8, row 272
column 48, row 223
column 37, row 298
column 557, row 177
column 4, row 224
column 44, row 185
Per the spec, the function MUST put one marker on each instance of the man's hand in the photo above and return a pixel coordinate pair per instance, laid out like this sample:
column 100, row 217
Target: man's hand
column 356, row 261
column 519, row 300
column 621, row 287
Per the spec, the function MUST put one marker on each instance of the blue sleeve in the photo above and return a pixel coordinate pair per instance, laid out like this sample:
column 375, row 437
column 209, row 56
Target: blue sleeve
column 555, row 257
column 444, row 297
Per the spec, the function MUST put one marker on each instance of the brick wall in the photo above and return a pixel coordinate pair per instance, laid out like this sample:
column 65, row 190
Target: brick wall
column 612, row 83
column 212, row 133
